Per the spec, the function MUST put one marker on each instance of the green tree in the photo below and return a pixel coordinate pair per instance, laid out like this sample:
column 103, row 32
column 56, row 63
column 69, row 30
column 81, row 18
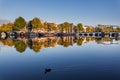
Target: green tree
column 79, row 27
column 37, row 24
column 20, row 46
column 19, row 23
column 97, row 29
column 66, row 26
column 60, row 28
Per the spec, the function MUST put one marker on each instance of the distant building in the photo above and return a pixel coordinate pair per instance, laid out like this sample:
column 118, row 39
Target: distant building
column 114, row 26
column 29, row 26
column 71, row 28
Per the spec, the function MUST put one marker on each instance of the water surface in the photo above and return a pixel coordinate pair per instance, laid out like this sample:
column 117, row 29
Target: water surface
column 88, row 59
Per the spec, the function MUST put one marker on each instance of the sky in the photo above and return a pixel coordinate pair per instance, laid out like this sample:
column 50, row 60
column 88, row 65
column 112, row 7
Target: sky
column 88, row 12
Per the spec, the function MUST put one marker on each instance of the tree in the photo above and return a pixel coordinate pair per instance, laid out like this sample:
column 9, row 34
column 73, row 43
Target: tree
column 36, row 23
column 60, row 28
column 6, row 27
column 97, row 29
column 79, row 27
column 66, row 26
column 19, row 23
column 107, row 29
column 90, row 29
column 45, row 26
column 52, row 27
column 117, row 29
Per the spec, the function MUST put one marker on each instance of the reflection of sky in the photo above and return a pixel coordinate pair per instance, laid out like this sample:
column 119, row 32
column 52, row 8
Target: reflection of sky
column 90, row 58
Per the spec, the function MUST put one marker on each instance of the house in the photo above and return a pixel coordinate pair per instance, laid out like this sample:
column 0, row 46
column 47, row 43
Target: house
column 29, row 26
column 71, row 28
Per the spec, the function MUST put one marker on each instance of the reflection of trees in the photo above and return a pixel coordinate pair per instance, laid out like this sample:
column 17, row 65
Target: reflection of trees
column 7, row 42
column 20, row 46
column 6, row 27
column 80, row 41
column 66, row 42
column 106, row 39
column 52, row 43
column 49, row 43
column 88, row 39
column 29, row 43
column 99, row 40
column 39, row 44
column 60, row 41
column 36, row 44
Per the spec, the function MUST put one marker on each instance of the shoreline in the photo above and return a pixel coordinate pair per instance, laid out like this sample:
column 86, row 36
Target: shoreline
column 14, row 35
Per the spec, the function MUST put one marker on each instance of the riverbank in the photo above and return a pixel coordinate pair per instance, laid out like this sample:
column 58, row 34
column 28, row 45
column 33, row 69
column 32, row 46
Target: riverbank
column 4, row 35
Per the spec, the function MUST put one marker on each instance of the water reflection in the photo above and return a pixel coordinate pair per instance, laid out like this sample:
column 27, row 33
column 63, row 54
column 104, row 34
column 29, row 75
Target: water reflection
column 37, row 44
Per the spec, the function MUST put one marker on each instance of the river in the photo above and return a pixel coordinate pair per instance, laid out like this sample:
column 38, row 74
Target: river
column 60, row 58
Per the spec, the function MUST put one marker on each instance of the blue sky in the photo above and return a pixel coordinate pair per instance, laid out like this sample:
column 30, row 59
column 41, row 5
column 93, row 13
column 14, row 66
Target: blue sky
column 88, row 12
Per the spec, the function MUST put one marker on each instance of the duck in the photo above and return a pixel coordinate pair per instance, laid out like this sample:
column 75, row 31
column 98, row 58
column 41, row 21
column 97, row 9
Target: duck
column 47, row 70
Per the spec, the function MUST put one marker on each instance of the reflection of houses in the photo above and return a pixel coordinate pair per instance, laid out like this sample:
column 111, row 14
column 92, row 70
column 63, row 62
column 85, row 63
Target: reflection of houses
column 69, row 39
column 29, row 43
column 29, row 26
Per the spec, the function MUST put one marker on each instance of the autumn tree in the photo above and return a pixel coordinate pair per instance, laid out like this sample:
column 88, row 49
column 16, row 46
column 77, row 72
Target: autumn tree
column 117, row 29
column 80, row 27
column 51, row 27
column 19, row 23
column 6, row 27
column 36, row 23
column 107, row 29
column 60, row 28
column 45, row 26
column 88, row 29
column 66, row 26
